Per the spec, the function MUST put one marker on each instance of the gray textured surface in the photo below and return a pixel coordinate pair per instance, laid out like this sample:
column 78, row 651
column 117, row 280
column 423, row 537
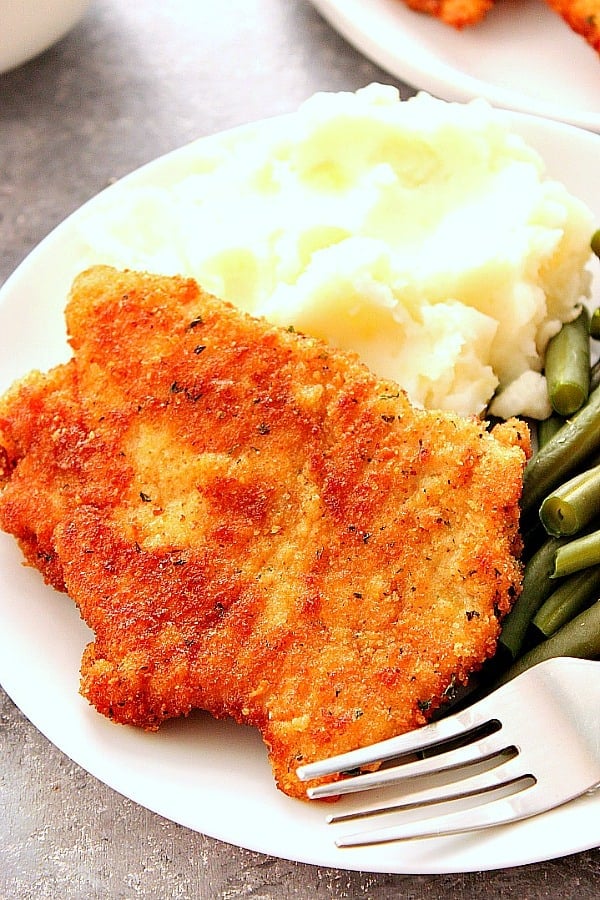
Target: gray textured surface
column 132, row 81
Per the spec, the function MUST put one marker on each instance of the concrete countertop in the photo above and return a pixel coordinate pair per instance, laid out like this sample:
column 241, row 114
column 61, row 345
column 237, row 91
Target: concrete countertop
column 130, row 82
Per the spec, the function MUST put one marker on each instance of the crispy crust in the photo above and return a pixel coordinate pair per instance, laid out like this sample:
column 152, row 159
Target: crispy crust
column 253, row 524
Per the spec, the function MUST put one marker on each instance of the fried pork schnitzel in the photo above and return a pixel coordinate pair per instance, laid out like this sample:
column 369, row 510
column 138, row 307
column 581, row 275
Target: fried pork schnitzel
column 255, row 525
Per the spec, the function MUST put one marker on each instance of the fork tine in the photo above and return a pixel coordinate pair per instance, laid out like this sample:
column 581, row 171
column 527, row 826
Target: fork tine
column 497, row 812
column 544, row 753
column 411, row 742
column 472, row 787
column 485, row 749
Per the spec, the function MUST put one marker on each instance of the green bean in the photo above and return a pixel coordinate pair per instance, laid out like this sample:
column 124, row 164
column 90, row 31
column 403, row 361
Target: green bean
column 547, row 428
column 567, row 366
column 573, row 504
column 595, row 324
column 571, row 596
column 537, row 587
column 577, row 554
column 580, row 638
column 595, row 243
column 534, row 536
column 562, row 455
column 595, row 375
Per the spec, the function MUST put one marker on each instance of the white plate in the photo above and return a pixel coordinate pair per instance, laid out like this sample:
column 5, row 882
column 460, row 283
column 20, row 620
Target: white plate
column 522, row 56
column 214, row 776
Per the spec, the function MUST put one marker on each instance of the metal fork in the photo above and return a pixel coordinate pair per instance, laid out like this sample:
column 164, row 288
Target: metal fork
column 530, row 746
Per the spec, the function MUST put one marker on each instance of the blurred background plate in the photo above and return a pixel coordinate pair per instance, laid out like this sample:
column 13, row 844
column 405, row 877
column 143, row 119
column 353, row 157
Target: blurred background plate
column 522, row 56
column 28, row 27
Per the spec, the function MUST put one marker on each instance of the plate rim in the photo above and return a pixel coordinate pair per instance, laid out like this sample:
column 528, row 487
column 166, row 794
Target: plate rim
column 354, row 21
column 27, row 269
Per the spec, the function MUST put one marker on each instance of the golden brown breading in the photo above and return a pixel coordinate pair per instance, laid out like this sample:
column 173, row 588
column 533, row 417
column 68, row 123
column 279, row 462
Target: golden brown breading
column 583, row 16
column 42, row 430
column 253, row 524
column 457, row 13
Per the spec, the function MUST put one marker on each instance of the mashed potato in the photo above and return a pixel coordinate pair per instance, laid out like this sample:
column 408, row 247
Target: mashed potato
column 424, row 235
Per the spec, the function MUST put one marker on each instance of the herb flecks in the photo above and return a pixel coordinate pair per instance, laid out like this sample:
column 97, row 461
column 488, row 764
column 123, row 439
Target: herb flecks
column 192, row 395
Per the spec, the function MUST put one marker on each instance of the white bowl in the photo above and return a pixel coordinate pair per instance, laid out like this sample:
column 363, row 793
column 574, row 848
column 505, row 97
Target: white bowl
column 27, row 27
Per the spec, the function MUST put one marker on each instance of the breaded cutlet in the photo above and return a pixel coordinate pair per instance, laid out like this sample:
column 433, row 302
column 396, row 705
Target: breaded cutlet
column 254, row 524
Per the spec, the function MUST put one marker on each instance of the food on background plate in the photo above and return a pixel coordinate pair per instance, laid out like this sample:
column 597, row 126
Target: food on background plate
column 254, row 524
column 424, row 235
column 583, row 16
column 457, row 13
